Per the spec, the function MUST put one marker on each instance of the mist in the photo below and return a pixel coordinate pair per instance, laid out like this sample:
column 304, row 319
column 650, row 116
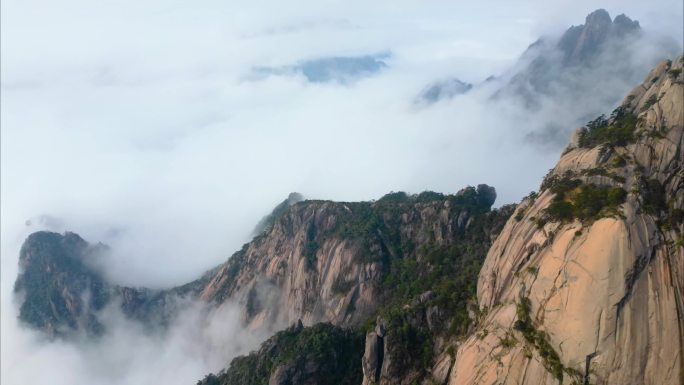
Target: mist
column 198, row 342
column 142, row 126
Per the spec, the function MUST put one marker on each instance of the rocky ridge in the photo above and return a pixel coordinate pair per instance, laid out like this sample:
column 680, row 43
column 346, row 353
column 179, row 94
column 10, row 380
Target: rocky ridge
column 316, row 261
column 326, row 260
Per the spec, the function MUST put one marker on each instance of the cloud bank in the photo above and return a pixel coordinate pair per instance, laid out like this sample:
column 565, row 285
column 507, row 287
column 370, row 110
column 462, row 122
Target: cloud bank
column 140, row 125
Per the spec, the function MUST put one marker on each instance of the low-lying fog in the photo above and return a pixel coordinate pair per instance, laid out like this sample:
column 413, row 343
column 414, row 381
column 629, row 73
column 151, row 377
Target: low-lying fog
column 168, row 129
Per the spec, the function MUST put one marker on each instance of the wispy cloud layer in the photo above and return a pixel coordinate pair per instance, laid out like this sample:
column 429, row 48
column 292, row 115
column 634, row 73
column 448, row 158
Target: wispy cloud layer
column 139, row 124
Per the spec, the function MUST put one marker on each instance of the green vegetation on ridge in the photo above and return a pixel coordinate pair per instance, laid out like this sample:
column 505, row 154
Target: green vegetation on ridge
column 419, row 270
column 617, row 130
column 575, row 199
column 318, row 355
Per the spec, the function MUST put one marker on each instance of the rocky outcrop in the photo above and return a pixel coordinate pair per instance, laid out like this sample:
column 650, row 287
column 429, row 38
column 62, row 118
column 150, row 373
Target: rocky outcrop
column 560, row 82
column 321, row 261
column 60, row 292
column 580, row 280
column 325, row 261
column 314, row 261
column 442, row 90
column 411, row 345
column 346, row 262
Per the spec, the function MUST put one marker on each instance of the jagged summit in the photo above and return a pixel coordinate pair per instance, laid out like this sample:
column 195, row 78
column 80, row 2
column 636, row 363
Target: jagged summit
column 581, row 43
column 549, row 64
column 579, row 74
column 624, row 24
column 543, row 66
column 599, row 16
column 62, row 290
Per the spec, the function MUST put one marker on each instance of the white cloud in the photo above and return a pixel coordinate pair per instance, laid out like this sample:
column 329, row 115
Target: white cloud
column 135, row 124
column 193, row 346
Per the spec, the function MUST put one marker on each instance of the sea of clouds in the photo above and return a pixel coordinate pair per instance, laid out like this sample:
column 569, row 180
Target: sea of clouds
column 153, row 127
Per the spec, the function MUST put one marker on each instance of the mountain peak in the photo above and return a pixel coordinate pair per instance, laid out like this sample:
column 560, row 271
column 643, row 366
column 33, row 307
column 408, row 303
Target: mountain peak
column 623, row 22
column 580, row 43
column 54, row 277
column 598, row 17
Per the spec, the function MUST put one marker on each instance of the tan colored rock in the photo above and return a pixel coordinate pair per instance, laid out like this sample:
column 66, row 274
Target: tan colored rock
column 614, row 288
column 371, row 362
column 280, row 278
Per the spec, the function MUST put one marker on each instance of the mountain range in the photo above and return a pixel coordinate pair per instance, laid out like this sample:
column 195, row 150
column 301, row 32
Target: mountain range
column 581, row 282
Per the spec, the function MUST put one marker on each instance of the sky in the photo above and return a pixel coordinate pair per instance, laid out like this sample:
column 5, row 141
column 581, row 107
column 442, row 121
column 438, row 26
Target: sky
column 144, row 125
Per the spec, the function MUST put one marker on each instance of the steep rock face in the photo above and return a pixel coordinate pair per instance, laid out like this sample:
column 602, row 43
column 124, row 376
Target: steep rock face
column 410, row 243
column 325, row 261
column 412, row 345
column 571, row 283
column 412, row 260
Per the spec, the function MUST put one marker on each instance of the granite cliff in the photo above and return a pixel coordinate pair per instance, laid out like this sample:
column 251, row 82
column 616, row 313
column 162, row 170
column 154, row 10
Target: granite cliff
column 584, row 284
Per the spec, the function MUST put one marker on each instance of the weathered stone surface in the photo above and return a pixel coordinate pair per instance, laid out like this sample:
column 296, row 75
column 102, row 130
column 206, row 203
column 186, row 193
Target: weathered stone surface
column 614, row 287
column 442, row 369
column 372, row 358
column 322, row 284
column 315, row 261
